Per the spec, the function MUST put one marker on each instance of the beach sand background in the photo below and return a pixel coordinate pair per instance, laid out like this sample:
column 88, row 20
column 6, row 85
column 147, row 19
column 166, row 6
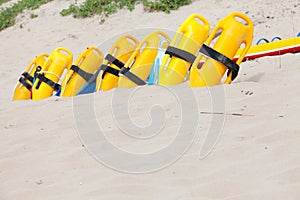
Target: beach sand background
column 256, row 156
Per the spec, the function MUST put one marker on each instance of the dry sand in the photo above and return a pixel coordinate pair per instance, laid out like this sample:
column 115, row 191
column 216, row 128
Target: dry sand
column 256, row 157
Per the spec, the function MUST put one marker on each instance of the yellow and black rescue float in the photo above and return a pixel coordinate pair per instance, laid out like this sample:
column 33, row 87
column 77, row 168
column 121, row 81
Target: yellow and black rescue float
column 119, row 54
column 137, row 69
column 24, row 86
column 80, row 73
column 231, row 32
column 183, row 49
column 47, row 77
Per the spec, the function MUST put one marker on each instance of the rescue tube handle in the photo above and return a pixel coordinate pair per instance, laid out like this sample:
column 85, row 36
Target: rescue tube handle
column 93, row 48
column 144, row 44
column 34, row 62
column 126, row 37
column 132, row 39
column 184, row 27
column 202, row 21
column 241, row 16
column 64, row 52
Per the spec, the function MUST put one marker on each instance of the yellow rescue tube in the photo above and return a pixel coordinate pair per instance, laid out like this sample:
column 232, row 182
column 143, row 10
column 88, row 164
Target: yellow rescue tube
column 189, row 37
column 141, row 61
column 47, row 79
column 236, row 31
column 24, row 86
column 121, row 50
column 85, row 66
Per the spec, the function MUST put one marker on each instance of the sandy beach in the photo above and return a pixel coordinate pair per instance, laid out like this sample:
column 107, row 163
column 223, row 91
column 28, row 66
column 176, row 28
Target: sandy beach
column 256, row 156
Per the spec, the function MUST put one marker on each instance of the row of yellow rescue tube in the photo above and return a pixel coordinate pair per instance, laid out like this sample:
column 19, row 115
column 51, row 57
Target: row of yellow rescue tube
column 138, row 57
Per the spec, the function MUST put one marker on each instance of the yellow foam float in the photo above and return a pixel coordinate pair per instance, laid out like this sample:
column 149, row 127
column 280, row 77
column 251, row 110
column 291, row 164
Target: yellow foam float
column 24, row 86
column 137, row 69
column 236, row 31
column 188, row 39
column 80, row 73
column 122, row 49
column 48, row 76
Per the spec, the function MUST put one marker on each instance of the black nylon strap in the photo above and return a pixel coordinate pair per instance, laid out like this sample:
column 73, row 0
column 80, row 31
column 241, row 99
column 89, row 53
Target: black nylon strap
column 123, row 70
column 24, row 82
column 85, row 75
column 231, row 65
column 102, row 67
column 132, row 77
column 112, row 71
column 49, row 82
column 94, row 77
column 182, row 54
column 114, row 61
column 27, row 76
column 108, row 69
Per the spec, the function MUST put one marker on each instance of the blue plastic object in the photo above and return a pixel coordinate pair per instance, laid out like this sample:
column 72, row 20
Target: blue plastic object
column 154, row 74
column 90, row 86
column 276, row 38
column 262, row 40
